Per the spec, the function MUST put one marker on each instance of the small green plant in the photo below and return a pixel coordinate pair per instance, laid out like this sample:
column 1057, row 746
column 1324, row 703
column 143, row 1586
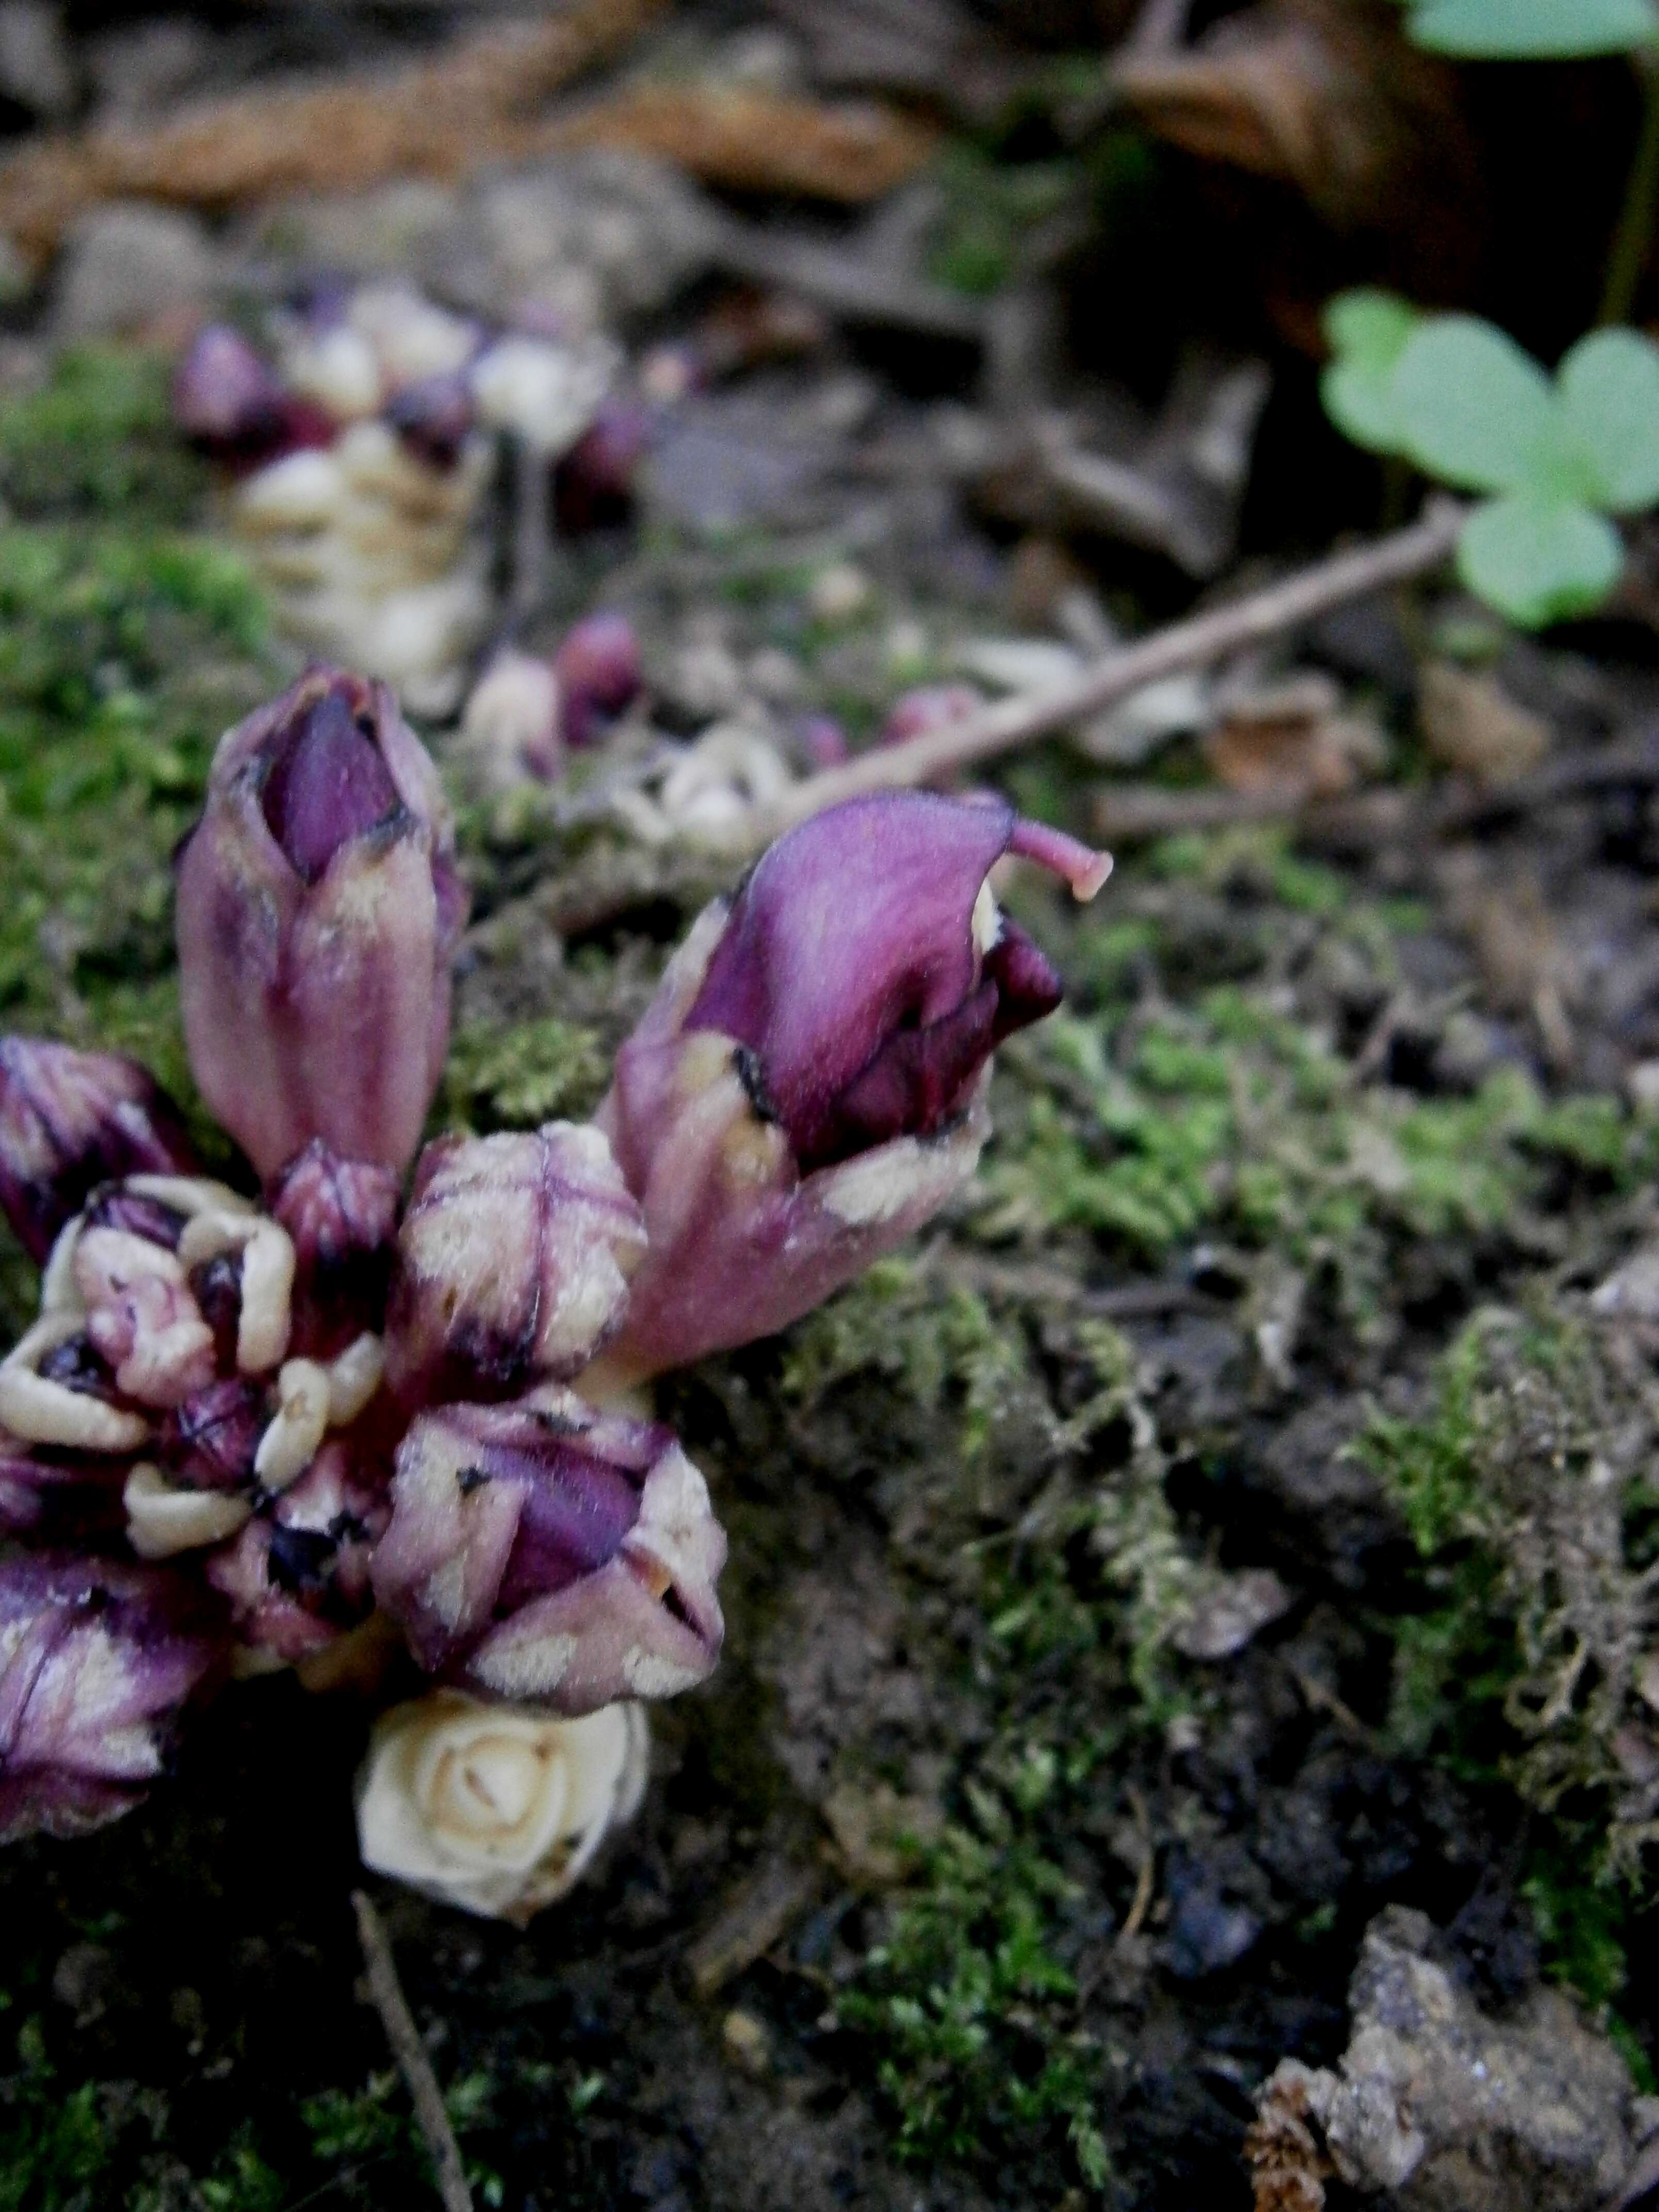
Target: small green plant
column 1460, row 401
column 1532, row 30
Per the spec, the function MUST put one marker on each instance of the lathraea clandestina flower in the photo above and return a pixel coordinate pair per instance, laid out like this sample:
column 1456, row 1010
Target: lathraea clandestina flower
column 546, row 1553
column 808, row 1085
column 319, row 906
column 496, row 1811
column 513, row 1263
column 98, row 1659
column 69, row 1120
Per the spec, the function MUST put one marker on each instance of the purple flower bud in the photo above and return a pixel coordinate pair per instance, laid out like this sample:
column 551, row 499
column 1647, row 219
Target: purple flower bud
column 99, row 1660
column 296, row 1575
column 929, row 707
column 342, row 1217
column 821, row 741
column 544, row 1550
column 317, row 907
column 210, row 1441
column 232, row 408
column 600, row 673
column 593, row 483
column 513, row 1263
column 809, row 1085
column 432, row 418
column 69, row 1120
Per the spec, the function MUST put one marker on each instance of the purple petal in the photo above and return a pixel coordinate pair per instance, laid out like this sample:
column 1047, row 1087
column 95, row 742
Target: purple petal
column 318, row 908
column 326, row 784
column 101, row 1660
column 69, row 1120
column 342, row 1217
column 600, row 673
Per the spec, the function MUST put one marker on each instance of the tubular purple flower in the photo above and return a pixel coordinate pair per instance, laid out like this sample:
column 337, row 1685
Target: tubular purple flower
column 69, row 1120
column 808, row 1086
column 544, row 1551
column 513, row 1263
column 99, row 1660
column 600, row 673
column 319, row 905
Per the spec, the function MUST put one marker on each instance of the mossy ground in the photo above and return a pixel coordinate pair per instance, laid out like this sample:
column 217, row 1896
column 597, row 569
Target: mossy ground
column 1268, row 1268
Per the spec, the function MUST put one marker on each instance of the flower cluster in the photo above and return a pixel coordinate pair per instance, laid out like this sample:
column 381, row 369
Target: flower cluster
column 253, row 1422
column 356, row 461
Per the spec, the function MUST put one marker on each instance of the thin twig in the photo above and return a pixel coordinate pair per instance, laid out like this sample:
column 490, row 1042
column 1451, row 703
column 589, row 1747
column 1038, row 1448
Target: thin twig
column 937, row 754
column 413, row 2064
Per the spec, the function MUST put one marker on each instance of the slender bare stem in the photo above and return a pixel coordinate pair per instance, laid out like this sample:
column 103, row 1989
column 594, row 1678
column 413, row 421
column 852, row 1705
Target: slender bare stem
column 407, row 2049
column 938, row 754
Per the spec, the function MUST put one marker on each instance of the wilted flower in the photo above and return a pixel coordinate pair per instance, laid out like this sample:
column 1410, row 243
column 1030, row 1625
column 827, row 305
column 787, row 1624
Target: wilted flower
column 97, row 1660
column 513, row 1263
column 809, row 1085
column 317, row 907
column 497, row 1812
column 71, row 1120
column 545, row 1552
column 708, row 792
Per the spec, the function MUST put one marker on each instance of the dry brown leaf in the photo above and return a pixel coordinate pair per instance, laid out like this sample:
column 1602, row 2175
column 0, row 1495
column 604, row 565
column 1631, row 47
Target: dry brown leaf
column 1471, row 724
column 752, row 141
column 1324, row 95
column 1288, row 2165
column 473, row 103
column 1294, row 740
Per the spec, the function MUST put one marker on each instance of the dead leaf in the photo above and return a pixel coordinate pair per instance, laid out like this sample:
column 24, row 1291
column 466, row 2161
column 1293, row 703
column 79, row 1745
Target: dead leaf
column 1471, row 724
column 1294, row 740
column 752, row 141
column 472, row 104
column 1324, row 95
column 1288, row 2165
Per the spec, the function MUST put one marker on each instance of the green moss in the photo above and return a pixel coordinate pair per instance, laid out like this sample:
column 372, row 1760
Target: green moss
column 56, row 2145
column 373, row 2129
column 971, row 2012
column 516, row 1078
column 98, row 437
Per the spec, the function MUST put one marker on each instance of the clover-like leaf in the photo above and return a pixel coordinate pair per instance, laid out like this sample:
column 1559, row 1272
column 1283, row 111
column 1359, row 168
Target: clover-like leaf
column 1538, row 560
column 1368, row 332
column 1607, row 395
column 1533, row 30
column 1472, row 408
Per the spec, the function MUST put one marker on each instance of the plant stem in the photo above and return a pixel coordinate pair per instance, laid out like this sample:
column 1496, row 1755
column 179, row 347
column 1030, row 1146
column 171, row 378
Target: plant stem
column 1627, row 256
column 386, row 1992
column 939, row 754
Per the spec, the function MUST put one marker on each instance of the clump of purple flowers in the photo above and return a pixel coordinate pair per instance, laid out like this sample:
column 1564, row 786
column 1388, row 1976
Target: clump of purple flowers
column 253, row 1422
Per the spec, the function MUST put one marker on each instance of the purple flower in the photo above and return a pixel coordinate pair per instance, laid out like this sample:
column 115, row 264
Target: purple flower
column 296, row 1575
column 99, row 1660
column 232, row 408
column 929, row 707
column 513, row 1263
column 341, row 1216
column 544, row 1550
column 69, row 1120
column 598, row 671
column 809, row 1085
column 432, row 418
column 594, row 482
column 319, row 905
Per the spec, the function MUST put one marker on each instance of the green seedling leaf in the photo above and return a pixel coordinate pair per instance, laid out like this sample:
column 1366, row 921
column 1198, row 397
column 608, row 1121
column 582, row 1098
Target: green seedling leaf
column 1368, row 332
column 1607, row 395
column 1538, row 560
column 1472, row 408
column 1533, row 30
